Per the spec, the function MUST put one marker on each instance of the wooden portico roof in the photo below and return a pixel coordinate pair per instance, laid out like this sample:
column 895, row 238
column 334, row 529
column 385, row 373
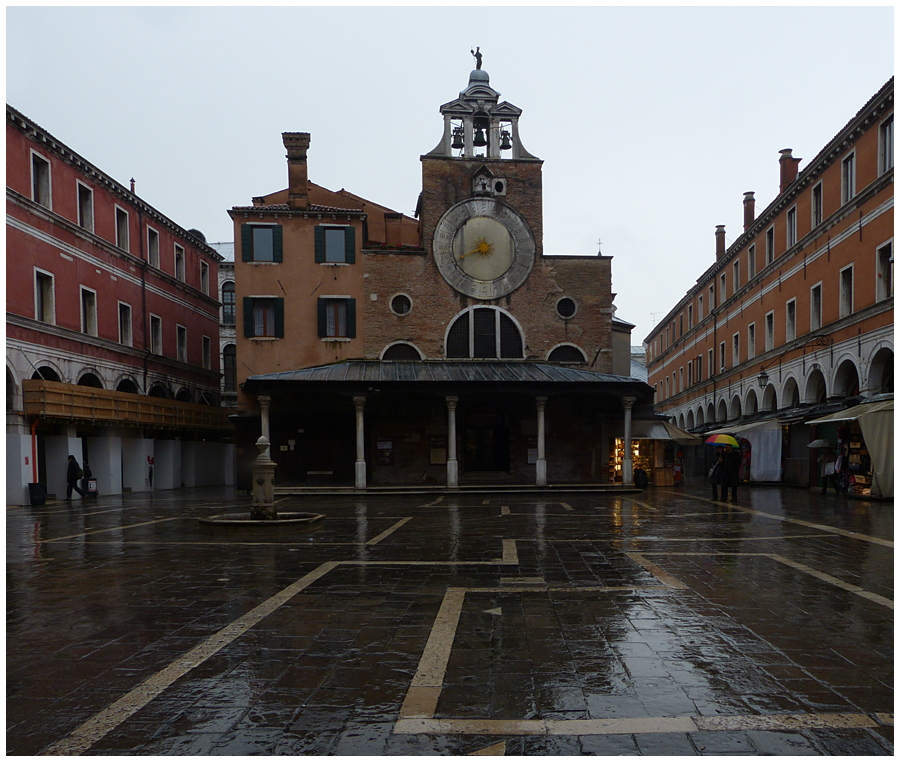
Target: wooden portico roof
column 439, row 375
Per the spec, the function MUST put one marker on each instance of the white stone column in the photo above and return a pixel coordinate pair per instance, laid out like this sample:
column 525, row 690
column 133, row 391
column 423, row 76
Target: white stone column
column 627, row 464
column 541, row 464
column 265, row 402
column 452, row 462
column 360, row 403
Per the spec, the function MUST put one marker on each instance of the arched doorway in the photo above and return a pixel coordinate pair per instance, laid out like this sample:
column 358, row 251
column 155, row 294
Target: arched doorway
column 486, row 440
column 46, row 373
column 815, row 387
column 881, row 372
column 846, row 380
column 127, row 385
column 89, row 379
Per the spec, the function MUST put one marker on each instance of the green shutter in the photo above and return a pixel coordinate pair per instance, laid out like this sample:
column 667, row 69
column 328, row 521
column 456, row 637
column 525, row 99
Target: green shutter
column 277, row 244
column 320, row 309
column 320, row 246
column 350, row 245
column 351, row 318
column 279, row 318
column 246, row 243
column 248, row 317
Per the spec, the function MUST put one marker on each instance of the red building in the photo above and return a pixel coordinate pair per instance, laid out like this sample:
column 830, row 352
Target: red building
column 112, row 329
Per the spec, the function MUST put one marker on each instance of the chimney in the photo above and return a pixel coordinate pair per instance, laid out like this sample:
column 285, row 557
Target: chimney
column 788, row 168
column 296, row 144
column 749, row 210
column 720, row 241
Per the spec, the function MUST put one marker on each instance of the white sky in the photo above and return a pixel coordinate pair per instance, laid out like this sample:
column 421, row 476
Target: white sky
column 652, row 122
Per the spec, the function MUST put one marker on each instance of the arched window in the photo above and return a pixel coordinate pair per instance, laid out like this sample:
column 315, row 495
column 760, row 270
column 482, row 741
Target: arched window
column 484, row 333
column 229, row 367
column 566, row 353
column 89, row 379
column 127, row 385
column 401, row 353
column 228, row 302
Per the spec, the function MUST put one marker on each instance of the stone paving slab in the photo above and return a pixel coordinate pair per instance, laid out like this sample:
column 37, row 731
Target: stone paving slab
column 661, row 623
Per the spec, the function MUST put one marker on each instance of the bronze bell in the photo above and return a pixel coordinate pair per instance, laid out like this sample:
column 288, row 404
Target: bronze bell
column 480, row 139
column 458, row 141
column 505, row 143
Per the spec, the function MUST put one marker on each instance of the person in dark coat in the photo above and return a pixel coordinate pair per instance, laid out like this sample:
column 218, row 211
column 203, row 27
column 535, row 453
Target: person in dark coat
column 733, row 460
column 718, row 475
column 73, row 474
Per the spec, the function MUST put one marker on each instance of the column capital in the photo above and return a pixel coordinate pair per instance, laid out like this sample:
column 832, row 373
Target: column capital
column 359, row 402
column 628, row 402
column 541, row 401
column 452, row 402
column 264, row 400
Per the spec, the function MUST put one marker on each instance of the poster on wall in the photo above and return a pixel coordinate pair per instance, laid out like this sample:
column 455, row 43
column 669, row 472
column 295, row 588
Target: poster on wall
column 438, row 451
column 384, row 452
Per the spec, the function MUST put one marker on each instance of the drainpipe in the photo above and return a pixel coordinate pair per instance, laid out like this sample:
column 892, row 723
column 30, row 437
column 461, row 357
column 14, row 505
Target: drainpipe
column 34, row 451
column 143, row 291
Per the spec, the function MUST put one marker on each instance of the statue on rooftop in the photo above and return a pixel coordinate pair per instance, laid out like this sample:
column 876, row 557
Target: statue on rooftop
column 477, row 54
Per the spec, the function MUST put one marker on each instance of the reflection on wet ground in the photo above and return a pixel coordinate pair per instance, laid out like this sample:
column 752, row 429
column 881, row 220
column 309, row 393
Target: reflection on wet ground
column 552, row 623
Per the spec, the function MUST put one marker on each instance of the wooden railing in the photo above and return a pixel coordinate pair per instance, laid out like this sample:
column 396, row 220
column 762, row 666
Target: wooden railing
column 66, row 402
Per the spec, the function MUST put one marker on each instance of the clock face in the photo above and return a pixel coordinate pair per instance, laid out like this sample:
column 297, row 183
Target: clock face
column 483, row 248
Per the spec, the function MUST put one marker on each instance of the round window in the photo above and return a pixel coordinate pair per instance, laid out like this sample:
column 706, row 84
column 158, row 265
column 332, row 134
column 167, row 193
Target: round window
column 566, row 308
column 401, row 304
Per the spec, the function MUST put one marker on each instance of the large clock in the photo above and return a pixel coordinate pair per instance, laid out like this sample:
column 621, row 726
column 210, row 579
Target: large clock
column 483, row 248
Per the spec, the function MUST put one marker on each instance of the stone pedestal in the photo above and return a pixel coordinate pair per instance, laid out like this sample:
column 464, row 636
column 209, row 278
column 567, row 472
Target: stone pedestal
column 263, row 483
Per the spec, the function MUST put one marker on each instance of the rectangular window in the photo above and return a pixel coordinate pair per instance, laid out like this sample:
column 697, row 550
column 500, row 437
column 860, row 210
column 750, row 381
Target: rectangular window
column 179, row 262
column 790, row 320
column 85, row 206
column 721, row 356
column 770, row 245
column 261, row 243
column 335, row 244
column 668, row 337
column 751, row 341
column 263, row 317
column 791, row 226
column 700, row 307
column 815, row 307
column 681, row 379
column 229, row 367
column 40, row 180
column 153, row 248
column 156, row 345
column 710, row 360
column 690, row 373
column 886, row 145
column 770, row 330
column 847, row 291
column 44, row 297
column 848, row 177
column 88, row 311
column 751, row 262
column 207, row 353
column 204, row 278
column 228, row 303
column 681, row 324
column 722, row 290
column 337, row 320
column 816, row 203
column 736, row 276
column 699, row 368
column 181, row 343
column 884, row 272
column 735, row 350
column 712, row 298
column 122, row 229
column 690, row 316
column 125, row 336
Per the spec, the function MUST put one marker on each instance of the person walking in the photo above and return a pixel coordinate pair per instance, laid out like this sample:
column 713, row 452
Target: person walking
column 827, row 471
column 73, row 474
column 717, row 475
column 733, row 460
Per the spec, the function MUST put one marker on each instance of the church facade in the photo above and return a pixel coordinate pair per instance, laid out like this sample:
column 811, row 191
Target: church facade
column 379, row 349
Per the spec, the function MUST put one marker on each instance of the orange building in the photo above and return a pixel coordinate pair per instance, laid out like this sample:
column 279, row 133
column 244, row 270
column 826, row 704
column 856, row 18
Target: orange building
column 795, row 319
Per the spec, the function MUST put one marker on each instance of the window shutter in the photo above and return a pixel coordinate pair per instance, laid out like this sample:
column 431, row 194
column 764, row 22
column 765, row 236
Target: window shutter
column 320, row 246
column 351, row 318
column 277, row 244
column 350, row 245
column 246, row 243
column 320, row 307
column 248, row 317
column 279, row 318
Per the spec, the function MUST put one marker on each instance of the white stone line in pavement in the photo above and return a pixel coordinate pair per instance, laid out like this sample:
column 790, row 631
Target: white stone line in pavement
column 86, row 735
column 643, row 505
column 109, row 529
column 495, row 750
column 510, row 552
column 428, row 505
column 827, row 578
column 388, row 532
column 788, row 519
column 504, row 510
column 567, row 506
column 657, row 538
column 667, row 579
column 634, row 725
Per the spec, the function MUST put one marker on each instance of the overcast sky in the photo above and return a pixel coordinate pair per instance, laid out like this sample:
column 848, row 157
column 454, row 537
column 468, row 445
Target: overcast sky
column 652, row 122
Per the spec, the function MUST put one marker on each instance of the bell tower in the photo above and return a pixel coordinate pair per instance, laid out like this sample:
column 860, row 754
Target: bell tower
column 481, row 155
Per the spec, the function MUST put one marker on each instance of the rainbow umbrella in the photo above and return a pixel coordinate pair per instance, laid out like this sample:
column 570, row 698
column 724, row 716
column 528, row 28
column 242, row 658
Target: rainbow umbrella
column 722, row 439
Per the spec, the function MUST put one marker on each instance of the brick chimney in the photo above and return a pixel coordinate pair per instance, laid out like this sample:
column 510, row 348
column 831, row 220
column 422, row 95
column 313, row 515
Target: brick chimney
column 788, row 168
column 720, row 241
column 749, row 210
column 297, row 144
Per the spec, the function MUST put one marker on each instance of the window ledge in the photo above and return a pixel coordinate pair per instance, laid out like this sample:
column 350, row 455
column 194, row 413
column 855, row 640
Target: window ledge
column 255, row 262
column 335, row 338
column 335, row 264
column 264, row 338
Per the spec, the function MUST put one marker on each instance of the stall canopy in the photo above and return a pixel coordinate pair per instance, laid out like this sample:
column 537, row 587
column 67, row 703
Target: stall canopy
column 765, row 448
column 657, row 430
column 876, row 421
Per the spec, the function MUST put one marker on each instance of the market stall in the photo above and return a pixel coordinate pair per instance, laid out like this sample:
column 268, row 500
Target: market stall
column 764, row 438
column 653, row 450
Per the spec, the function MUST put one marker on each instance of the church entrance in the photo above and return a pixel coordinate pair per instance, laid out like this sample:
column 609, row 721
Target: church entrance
column 486, row 441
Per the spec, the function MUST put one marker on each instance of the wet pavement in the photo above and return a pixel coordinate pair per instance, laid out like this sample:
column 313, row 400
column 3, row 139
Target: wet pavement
column 656, row 623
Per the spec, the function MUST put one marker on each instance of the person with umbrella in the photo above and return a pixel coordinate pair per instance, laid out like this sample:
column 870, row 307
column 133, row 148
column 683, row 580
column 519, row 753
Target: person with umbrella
column 826, row 471
column 733, row 460
column 719, row 473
